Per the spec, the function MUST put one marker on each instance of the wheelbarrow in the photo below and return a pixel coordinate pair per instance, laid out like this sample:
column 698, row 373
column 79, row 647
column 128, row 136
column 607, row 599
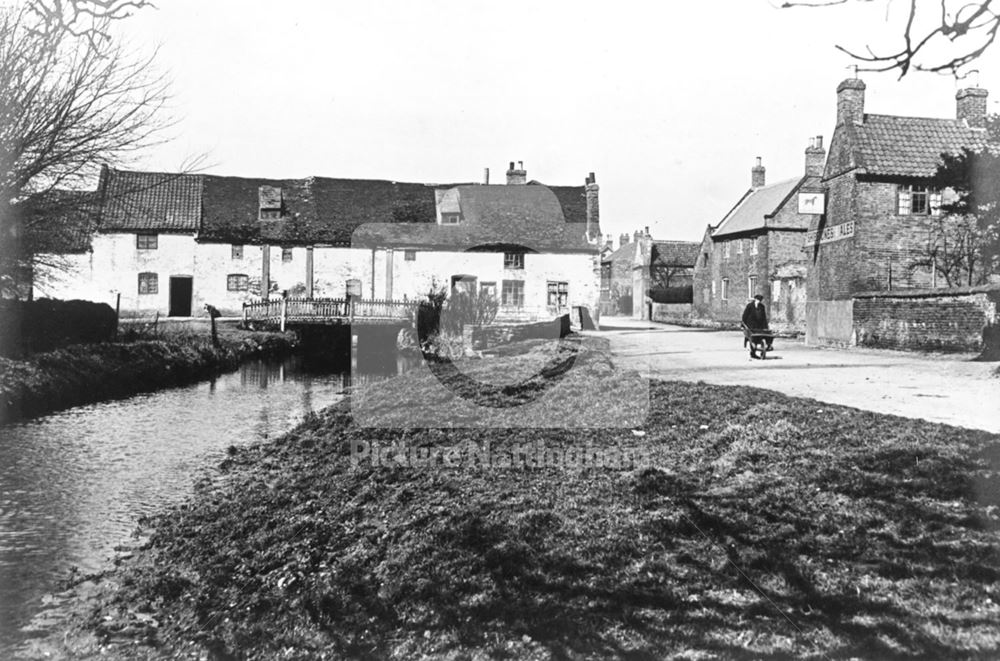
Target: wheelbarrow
column 757, row 340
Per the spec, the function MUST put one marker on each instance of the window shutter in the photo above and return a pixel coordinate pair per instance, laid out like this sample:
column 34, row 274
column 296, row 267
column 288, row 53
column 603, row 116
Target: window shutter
column 935, row 203
column 904, row 201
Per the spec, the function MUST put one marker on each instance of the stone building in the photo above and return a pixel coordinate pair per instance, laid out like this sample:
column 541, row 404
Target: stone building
column 757, row 249
column 171, row 243
column 880, row 205
column 661, row 267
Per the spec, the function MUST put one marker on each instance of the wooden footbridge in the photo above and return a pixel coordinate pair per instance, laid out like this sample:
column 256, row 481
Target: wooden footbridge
column 282, row 313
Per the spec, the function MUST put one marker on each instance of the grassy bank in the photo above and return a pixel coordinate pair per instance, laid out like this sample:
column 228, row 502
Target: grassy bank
column 767, row 526
column 87, row 373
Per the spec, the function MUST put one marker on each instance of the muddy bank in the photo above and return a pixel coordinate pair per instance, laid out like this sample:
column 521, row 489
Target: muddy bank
column 87, row 373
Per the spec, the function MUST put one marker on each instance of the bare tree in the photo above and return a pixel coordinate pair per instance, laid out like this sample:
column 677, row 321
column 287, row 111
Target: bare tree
column 71, row 100
column 964, row 29
column 956, row 252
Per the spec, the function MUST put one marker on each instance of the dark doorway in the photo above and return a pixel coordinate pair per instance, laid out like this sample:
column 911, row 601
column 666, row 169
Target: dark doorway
column 180, row 296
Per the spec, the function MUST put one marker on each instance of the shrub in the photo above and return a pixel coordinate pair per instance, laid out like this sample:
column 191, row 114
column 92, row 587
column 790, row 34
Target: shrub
column 47, row 324
column 672, row 294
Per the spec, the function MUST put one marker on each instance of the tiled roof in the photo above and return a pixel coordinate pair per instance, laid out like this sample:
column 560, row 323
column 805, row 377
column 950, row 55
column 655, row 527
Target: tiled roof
column 675, row 253
column 749, row 214
column 60, row 222
column 529, row 216
column 151, row 201
column 625, row 253
column 909, row 146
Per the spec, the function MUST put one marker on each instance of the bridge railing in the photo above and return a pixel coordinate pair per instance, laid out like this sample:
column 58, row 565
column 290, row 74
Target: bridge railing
column 280, row 311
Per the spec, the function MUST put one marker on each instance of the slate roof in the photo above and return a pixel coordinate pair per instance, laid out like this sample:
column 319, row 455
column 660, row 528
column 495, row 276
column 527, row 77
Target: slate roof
column 493, row 216
column 755, row 206
column 909, row 146
column 624, row 253
column 151, row 201
column 675, row 253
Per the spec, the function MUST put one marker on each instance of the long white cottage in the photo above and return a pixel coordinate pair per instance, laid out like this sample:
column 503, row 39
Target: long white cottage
column 172, row 243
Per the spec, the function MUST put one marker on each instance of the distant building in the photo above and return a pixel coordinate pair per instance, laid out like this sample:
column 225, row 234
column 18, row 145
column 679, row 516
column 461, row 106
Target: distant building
column 171, row 243
column 757, row 249
column 880, row 204
column 662, row 267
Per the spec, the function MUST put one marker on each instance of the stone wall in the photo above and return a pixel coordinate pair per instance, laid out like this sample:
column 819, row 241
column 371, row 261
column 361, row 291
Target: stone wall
column 941, row 320
column 672, row 313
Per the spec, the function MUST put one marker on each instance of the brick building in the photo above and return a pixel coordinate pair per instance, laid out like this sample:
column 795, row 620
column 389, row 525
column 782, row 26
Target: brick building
column 757, row 249
column 880, row 206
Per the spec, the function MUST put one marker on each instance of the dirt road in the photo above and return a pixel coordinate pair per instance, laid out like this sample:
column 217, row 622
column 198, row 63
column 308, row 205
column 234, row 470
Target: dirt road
column 942, row 388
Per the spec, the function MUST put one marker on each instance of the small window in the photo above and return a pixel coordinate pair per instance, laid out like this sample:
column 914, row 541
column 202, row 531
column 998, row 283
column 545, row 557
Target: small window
column 237, row 282
column 410, row 255
column 753, row 246
column 286, row 254
column 918, row 201
column 751, row 286
column 148, row 283
column 270, row 214
column 450, row 218
column 704, row 259
column 512, row 294
column 237, row 252
column 488, row 289
column 513, row 260
column 713, row 288
column 146, row 241
column 725, row 289
column 725, row 250
column 558, row 294
column 739, row 246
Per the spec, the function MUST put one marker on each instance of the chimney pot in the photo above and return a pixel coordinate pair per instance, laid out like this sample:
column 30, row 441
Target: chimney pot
column 486, row 176
column 511, row 165
column 819, row 142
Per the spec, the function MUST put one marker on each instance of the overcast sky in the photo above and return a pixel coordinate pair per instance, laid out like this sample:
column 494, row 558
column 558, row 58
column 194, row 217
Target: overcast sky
column 667, row 102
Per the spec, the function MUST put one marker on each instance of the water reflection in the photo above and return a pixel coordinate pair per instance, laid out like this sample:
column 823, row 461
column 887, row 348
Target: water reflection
column 73, row 484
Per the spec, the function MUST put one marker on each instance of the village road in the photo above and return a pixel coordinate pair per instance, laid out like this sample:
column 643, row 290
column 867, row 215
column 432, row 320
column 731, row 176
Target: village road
column 942, row 388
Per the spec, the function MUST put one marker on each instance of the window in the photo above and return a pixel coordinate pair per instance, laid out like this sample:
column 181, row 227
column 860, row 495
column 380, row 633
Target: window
column 918, row 200
column 237, row 252
column 410, row 255
column 237, row 282
column 286, row 254
column 450, row 218
column 488, row 289
column 513, row 260
column 558, row 294
column 753, row 246
column 148, row 283
column 713, row 288
column 775, row 291
column 739, row 246
column 270, row 214
column 512, row 293
column 704, row 259
column 751, row 286
column 725, row 249
column 146, row 241
column 725, row 289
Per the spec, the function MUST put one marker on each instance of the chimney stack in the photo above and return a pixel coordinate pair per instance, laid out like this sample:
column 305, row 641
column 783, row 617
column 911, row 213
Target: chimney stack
column 609, row 242
column 851, row 102
column 593, row 206
column 757, row 175
column 815, row 157
column 971, row 106
column 623, row 240
column 518, row 176
column 486, row 176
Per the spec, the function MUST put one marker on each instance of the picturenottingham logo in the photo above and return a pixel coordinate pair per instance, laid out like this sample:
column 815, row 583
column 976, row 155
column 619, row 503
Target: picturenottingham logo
column 485, row 455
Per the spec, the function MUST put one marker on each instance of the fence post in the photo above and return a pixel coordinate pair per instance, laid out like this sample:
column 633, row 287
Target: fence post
column 244, row 314
column 284, row 312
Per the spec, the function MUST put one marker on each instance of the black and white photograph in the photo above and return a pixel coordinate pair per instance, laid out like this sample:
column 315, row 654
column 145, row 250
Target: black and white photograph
column 551, row 330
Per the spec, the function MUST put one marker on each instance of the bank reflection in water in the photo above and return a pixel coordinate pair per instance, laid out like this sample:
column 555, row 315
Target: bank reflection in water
column 73, row 484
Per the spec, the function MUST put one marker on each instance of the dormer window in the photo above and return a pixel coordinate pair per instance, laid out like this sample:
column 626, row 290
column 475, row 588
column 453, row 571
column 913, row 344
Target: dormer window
column 270, row 202
column 513, row 260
